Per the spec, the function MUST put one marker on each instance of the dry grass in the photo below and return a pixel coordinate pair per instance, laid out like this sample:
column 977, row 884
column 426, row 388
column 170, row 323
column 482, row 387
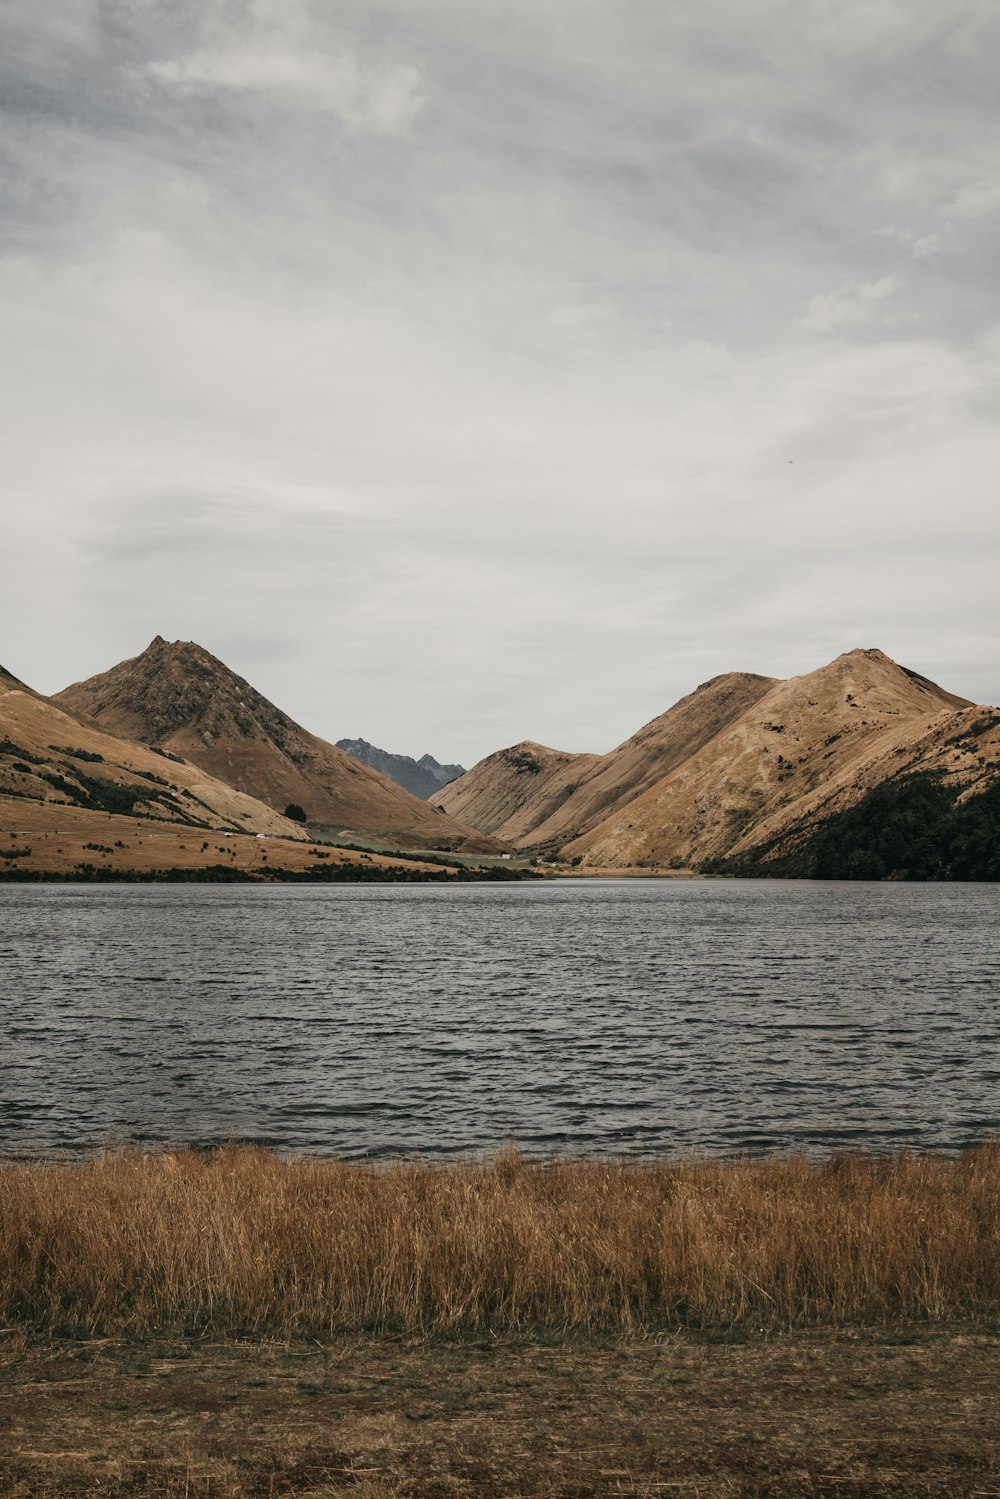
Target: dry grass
column 61, row 838
column 240, row 1242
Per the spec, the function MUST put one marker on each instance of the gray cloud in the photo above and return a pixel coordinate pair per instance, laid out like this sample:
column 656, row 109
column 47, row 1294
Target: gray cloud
column 467, row 374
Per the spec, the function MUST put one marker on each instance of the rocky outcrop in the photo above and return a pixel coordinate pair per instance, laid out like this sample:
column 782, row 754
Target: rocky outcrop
column 424, row 777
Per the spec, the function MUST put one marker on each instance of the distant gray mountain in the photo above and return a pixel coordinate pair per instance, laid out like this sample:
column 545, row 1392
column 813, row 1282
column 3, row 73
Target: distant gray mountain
column 423, row 777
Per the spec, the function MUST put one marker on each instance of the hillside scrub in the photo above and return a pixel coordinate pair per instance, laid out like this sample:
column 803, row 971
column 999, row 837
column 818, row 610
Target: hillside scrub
column 240, row 1241
column 911, row 828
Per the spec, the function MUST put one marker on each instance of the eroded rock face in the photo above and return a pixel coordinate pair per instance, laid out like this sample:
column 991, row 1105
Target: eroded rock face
column 179, row 697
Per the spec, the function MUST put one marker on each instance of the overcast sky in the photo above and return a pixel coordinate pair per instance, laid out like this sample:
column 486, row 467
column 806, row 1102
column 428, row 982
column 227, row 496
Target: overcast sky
column 462, row 372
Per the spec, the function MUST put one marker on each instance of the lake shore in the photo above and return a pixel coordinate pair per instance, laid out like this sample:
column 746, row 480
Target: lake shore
column 239, row 1241
column 234, row 1324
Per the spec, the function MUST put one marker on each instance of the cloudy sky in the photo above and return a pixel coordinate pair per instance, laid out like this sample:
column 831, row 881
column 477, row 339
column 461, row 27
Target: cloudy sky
column 469, row 372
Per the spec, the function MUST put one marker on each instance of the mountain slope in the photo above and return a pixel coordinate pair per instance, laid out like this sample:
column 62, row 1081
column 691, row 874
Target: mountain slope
column 923, row 824
column 183, row 699
column 514, row 790
column 77, row 803
column 423, row 777
column 817, row 740
column 51, row 762
column 569, row 794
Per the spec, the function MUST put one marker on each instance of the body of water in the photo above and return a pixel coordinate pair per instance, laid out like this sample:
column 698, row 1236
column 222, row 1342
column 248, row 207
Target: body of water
column 610, row 1016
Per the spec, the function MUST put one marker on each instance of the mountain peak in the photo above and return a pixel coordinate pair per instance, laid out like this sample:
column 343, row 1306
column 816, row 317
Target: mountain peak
column 423, row 778
column 181, row 651
column 870, row 670
column 179, row 697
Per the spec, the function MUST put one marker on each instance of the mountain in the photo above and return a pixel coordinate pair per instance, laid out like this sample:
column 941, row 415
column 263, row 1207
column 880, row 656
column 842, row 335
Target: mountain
column 53, row 757
column 929, row 810
column 421, row 777
column 78, row 803
column 510, row 792
column 180, row 698
column 808, row 747
column 535, row 797
column 754, row 775
column 72, row 794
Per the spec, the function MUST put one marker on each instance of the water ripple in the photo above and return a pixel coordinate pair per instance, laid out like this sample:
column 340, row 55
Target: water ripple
column 622, row 1017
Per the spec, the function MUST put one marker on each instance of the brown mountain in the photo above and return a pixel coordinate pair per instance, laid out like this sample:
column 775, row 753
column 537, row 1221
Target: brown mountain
column 55, row 768
column 77, row 802
column 814, row 742
column 747, row 768
column 181, row 698
column 535, row 797
column 514, row 790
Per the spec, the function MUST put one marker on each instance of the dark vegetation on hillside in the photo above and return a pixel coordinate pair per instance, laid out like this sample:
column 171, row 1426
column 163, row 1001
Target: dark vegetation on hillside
column 148, row 795
column 224, row 874
column 910, row 828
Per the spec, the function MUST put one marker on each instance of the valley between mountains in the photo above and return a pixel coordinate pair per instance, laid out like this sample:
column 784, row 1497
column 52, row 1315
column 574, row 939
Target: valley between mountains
column 170, row 765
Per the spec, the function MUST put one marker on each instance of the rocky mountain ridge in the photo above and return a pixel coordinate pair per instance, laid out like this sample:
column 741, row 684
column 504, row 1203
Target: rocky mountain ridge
column 179, row 697
column 424, row 777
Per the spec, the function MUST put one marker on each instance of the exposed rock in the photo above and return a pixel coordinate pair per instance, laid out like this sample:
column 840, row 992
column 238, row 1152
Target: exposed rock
column 424, row 777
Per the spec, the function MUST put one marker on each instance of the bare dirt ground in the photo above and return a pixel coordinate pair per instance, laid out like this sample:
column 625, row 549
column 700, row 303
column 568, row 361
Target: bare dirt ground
column 908, row 1410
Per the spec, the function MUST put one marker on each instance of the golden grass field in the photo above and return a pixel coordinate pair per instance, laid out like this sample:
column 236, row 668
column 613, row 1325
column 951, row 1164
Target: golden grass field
column 239, row 1241
column 236, row 1326
column 56, row 839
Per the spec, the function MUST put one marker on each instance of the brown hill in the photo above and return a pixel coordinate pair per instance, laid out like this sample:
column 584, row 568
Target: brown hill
column 814, row 741
column 513, row 790
column 181, row 698
column 56, row 763
column 77, row 802
column 925, row 809
column 535, row 797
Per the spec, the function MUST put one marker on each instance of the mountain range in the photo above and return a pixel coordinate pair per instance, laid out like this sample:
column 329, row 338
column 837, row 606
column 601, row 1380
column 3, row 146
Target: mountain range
column 421, row 777
column 181, row 698
column 749, row 772
column 862, row 768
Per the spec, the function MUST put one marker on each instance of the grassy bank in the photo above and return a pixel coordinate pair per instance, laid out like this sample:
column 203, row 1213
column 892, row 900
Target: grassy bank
column 239, row 1242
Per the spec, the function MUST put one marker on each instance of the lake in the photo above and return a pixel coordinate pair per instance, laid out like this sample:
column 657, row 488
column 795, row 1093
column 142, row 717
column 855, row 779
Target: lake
column 579, row 1016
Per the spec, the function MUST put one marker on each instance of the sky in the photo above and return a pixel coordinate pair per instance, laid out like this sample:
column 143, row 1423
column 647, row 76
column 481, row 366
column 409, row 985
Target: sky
column 469, row 373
